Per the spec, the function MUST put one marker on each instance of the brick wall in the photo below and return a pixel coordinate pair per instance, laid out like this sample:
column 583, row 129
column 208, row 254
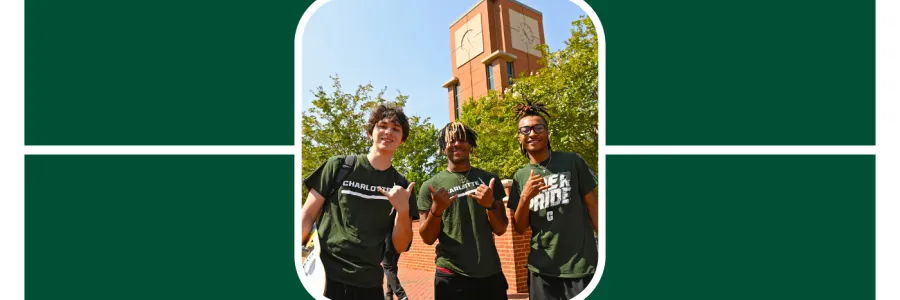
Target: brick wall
column 512, row 247
column 420, row 255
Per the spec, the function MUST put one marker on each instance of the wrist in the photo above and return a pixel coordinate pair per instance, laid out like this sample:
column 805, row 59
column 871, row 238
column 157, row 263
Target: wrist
column 524, row 202
column 437, row 212
column 488, row 207
column 402, row 210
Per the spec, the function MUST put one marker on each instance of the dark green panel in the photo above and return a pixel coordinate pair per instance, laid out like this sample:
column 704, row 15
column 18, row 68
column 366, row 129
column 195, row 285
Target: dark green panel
column 160, row 72
column 739, row 72
column 740, row 227
column 160, row 227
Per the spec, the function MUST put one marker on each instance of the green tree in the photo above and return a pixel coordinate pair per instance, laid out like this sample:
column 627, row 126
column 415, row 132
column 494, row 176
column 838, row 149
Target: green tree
column 492, row 118
column 336, row 125
column 567, row 84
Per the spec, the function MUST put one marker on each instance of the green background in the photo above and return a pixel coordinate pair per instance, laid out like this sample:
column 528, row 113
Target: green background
column 739, row 227
column 160, row 227
column 678, row 72
column 796, row 72
column 167, row 72
column 221, row 73
column 678, row 227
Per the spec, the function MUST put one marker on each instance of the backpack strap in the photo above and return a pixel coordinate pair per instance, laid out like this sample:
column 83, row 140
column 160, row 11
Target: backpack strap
column 347, row 165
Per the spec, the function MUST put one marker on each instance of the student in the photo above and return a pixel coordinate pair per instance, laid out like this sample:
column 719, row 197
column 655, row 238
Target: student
column 389, row 263
column 463, row 208
column 372, row 202
column 554, row 195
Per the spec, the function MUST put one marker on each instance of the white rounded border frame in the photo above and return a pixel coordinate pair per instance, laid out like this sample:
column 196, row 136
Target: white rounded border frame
column 601, row 141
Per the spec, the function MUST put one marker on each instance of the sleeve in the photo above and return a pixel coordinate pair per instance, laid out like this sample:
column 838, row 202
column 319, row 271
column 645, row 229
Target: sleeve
column 321, row 179
column 587, row 180
column 424, row 197
column 499, row 191
column 514, row 193
column 414, row 213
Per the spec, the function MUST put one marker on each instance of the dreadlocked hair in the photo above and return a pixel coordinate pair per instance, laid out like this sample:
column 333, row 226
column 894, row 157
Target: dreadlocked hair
column 456, row 131
column 532, row 109
column 528, row 109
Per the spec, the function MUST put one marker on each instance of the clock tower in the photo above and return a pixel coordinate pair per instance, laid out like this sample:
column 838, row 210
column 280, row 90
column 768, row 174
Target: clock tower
column 490, row 45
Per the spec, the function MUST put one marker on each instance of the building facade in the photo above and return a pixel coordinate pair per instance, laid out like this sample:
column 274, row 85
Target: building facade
column 492, row 43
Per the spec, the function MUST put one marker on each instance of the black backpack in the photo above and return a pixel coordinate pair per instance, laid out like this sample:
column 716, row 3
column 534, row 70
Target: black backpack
column 347, row 165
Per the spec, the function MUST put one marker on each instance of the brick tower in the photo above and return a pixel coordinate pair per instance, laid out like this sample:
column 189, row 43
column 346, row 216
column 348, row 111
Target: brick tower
column 490, row 44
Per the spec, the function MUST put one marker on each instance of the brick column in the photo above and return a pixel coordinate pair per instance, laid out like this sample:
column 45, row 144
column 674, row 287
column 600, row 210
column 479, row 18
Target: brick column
column 514, row 249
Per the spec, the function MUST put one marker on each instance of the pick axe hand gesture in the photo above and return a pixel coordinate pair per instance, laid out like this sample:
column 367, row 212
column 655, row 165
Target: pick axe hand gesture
column 484, row 194
column 534, row 186
column 398, row 196
column 440, row 200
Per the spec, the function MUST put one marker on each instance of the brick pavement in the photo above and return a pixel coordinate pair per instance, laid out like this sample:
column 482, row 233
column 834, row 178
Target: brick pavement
column 419, row 285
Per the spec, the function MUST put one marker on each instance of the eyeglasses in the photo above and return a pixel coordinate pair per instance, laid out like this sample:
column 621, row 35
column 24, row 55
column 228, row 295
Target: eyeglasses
column 539, row 128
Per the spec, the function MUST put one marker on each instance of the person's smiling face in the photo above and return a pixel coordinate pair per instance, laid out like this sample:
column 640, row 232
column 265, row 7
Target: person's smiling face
column 533, row 140
column 387, row 135
column 458, row 151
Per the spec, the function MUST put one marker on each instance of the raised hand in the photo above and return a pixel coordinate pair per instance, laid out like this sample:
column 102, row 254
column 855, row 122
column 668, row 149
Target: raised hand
column 440, row 200
column 533, row 186
column 484, row 194
column 399, row 197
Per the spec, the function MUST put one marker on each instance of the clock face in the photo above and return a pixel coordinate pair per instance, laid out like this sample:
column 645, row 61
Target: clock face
column 468, row 40
column 528, row 37
column 524, row 31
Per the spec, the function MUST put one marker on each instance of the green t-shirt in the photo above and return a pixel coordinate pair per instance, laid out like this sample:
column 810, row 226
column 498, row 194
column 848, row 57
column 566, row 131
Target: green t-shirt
column 355, row 220
column 562, row 237
column 466, row 242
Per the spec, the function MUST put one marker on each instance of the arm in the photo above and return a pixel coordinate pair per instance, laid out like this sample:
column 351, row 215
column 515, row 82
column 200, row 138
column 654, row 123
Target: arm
column 497, row 218
column 590, row 203
column 587, row 187
column 520, row 216
column 402, row 234
column 310, row 212
column 430, row 228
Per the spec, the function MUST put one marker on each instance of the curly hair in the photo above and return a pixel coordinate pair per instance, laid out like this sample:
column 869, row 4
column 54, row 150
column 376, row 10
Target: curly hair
column 391, row 114
column 456, row 131
column 529, row 109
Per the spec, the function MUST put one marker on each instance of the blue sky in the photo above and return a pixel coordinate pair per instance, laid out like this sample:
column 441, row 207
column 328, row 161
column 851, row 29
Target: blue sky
column 402, row 45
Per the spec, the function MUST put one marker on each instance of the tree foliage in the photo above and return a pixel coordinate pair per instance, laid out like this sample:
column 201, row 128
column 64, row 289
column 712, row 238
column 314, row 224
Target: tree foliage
column 336, row 125
column 492, row 118
column 567, row 84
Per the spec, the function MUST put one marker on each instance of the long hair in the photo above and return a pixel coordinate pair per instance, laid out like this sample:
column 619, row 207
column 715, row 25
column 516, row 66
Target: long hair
column 456, row 131
column 528, row 109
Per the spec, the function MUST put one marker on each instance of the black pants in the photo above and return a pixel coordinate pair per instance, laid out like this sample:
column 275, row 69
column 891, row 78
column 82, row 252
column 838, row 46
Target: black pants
column 551, row 288
column 455, row 287
column 389, row 264
column 338, row 291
